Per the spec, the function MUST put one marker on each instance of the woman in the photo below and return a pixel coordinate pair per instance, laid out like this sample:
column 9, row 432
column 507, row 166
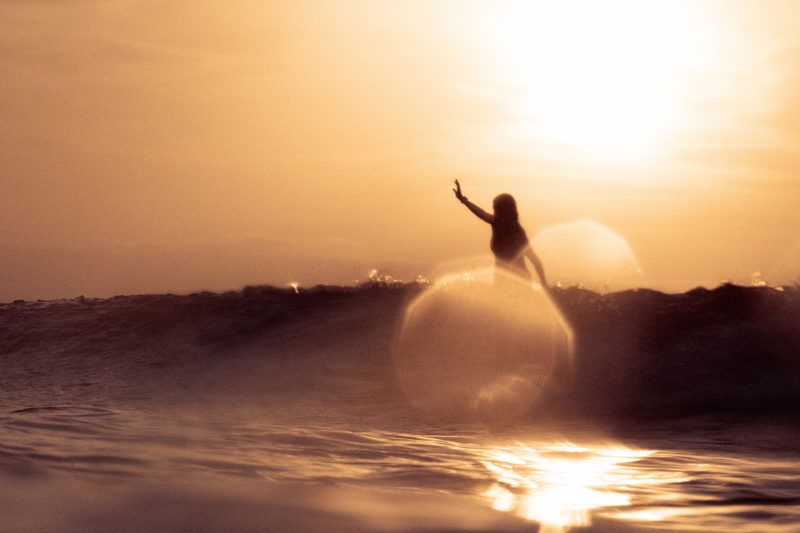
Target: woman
column 509, row 241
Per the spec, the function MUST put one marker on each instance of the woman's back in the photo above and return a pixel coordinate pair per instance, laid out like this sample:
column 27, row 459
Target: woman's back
column 509, row 241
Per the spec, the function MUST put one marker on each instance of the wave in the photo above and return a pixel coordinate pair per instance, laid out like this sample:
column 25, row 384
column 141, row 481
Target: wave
column 645, row 353
column 638, row 353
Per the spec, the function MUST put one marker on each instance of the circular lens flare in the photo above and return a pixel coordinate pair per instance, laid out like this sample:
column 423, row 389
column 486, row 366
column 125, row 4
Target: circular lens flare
column 480, row 346
column 588, row 255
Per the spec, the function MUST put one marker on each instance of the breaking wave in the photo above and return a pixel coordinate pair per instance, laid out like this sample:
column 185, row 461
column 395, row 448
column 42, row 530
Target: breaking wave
column 637, row 353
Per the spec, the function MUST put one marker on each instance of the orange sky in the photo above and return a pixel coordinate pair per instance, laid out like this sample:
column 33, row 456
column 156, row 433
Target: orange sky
column 151, row 146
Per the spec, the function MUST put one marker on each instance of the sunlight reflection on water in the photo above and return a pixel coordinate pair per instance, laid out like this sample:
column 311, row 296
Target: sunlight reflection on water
column 404, row 478
column 560, row 484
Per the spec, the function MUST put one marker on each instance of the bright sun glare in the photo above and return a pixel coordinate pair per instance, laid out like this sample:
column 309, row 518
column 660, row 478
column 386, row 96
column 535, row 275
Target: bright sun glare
column 600, row 77
column 562, row 485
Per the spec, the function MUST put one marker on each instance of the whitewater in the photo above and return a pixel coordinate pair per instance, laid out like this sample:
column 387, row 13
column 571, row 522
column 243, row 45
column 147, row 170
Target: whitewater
column 303, row 409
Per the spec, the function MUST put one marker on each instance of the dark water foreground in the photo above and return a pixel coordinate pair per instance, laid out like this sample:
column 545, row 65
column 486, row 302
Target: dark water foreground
column 271, row 410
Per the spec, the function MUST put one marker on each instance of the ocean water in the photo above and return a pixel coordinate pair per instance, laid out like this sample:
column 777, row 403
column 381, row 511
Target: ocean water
column 295, row 410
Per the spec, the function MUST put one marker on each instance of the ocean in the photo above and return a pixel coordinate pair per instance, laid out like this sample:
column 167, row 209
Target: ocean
column 409, row 407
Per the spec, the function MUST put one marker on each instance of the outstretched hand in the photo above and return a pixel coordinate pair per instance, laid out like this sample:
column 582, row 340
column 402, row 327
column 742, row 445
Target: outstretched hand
column 477, row 211
column 457, row 190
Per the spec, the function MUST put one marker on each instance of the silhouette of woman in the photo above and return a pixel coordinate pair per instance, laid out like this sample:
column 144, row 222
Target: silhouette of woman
column 509, row 241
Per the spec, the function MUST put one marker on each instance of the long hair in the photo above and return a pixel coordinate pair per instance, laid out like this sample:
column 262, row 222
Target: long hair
column 508, row 237
column 505, row 211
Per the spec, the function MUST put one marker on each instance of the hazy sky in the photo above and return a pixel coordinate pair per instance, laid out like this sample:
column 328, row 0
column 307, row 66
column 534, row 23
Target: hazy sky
column 150, row 146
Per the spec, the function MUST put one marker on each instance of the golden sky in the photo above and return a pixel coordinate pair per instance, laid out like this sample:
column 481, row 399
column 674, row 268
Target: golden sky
column 174, row 146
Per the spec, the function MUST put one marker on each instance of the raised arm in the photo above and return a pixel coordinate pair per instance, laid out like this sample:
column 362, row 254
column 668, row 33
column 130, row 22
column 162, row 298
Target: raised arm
column 480, row 213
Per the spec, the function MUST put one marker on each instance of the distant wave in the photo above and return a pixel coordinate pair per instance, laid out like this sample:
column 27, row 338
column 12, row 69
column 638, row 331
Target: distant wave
column 639, row 353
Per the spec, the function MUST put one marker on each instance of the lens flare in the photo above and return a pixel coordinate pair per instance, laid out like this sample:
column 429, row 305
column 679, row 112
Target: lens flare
column 588, row 255
column 482, row 345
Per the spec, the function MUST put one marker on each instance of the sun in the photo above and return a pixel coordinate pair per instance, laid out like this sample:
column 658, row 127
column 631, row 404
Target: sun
column 600, row 77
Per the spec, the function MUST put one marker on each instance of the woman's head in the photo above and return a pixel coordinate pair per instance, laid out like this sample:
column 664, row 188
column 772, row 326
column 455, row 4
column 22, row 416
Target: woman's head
column 505, row 208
